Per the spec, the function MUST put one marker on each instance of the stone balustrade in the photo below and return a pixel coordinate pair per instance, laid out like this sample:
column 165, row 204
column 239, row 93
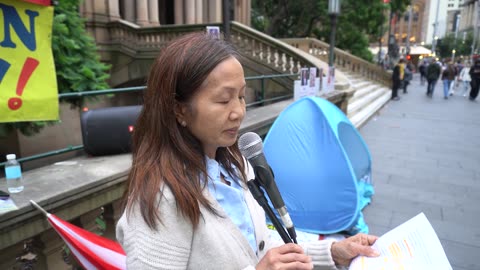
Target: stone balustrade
column 261, row 53
column 343, row 60
column 251, row 43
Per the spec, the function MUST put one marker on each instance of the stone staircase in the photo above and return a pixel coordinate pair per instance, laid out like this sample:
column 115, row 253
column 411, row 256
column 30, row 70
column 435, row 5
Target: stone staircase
column 368, row 98
column 369, row 83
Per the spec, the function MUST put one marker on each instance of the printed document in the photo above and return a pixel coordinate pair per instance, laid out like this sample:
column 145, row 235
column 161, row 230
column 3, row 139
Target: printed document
column 412, row 245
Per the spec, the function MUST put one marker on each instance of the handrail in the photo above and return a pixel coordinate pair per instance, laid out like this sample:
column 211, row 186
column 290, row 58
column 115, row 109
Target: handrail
column 141, row 88
column 343, row 60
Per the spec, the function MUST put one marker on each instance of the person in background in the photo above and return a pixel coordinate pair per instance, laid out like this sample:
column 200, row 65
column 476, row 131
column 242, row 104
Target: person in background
column 475, row 82
column 433, row 73
column 448, row 75
column 397, row 78
column 456, row 81
column 423, row 71
column 187, row 205
column 408, row 75
column 465, row 79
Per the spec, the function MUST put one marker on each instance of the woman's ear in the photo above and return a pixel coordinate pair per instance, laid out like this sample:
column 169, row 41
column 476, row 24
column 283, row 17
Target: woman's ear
column 180, row 113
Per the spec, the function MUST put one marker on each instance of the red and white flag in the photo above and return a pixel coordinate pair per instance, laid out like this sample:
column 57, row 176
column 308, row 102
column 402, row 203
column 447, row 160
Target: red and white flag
column 92, row 251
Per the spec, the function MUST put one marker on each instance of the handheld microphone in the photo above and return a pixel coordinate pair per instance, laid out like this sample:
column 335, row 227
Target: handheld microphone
column 251, row 147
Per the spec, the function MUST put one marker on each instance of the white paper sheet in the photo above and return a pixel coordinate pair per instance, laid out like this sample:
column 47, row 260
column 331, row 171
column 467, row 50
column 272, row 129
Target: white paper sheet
column 412, row 245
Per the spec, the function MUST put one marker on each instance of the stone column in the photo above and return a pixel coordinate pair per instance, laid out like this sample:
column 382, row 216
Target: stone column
column 248, row 6
column 142, row 12
column 198, row 11
column 88, row 9
column 113, row 10
column 236, row 11
column 178, row 9
column 153, row 12
column 129, row 10
column 214, row 11
column 189, row 11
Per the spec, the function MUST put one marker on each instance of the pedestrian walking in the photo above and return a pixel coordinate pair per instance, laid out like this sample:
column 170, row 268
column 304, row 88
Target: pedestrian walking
column 448, row 75
column 465, row 79
column 408, row 75
column 423, row 72
column 457, row 81
column 433, row 73
column 475, row 83
column 397, row 78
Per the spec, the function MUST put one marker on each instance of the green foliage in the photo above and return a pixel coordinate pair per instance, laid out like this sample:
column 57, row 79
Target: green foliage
column 399, row 6
column 358, row 24
column 76, row 60
column 448, row 43
column 77, row 63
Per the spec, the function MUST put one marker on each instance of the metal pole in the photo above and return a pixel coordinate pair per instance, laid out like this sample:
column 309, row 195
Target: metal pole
column 409, row 29
column 380, row 44
column 457, row 21
column 333, row 17
column 475, row 29
column 389, row 34
column 435, row 24
column 226, row 18
column 333, row 10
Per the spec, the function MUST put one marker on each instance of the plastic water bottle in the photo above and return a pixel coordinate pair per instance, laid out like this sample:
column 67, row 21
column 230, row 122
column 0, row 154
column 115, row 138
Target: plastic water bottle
column 13, row 173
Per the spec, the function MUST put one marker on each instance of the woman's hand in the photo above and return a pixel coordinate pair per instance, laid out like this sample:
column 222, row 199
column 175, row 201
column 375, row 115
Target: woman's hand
column 344, row 251
column 288, row 256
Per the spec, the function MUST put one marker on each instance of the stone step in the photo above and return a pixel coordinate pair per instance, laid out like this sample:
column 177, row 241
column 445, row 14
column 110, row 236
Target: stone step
column 355, row 104
column 359, row 84
column 364, row 90
column 363, row 115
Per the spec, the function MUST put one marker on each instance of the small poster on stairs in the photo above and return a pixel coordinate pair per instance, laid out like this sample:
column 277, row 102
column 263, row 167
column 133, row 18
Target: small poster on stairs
column 330, row 83
column 308, row 85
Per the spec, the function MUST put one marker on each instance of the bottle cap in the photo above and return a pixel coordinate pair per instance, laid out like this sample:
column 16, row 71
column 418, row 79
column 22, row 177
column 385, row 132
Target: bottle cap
column 11, row 156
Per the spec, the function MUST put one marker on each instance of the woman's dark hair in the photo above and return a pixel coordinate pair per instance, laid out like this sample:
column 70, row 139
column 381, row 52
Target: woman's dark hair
column 164, row 152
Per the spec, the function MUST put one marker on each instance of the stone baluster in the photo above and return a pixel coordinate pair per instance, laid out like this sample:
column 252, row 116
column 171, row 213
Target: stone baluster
column 296, row 66
column 112, row 214
column 281, row 61
column 288, row 64
column 254, row 46
column 261, row 54
column 271, row 55
column 53, row 248
column 248, row 45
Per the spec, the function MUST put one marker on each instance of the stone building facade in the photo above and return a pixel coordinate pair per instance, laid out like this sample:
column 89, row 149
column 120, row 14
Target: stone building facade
column 164, row 12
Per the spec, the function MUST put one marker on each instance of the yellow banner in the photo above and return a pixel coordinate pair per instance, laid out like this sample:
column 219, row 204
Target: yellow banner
column 28, row 84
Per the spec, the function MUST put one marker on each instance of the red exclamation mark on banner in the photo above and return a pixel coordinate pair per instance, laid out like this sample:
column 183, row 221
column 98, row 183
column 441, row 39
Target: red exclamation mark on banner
column 29, row 66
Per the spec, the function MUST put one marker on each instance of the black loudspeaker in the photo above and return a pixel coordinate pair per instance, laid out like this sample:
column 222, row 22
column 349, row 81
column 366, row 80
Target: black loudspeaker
column 108, row 131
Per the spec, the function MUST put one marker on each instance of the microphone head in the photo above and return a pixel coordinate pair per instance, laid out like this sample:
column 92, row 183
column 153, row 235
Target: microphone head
column 250, row 145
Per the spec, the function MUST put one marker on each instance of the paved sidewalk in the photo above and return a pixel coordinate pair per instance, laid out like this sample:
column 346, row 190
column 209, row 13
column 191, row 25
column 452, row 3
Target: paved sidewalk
column 426, row 158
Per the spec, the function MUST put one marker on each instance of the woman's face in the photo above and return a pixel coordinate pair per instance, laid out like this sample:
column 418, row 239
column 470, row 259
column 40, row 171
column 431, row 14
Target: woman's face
column 217, row 109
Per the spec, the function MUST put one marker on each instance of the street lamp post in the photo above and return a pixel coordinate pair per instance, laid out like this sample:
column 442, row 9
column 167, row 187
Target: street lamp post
column 409, row 29
column 226, row 18
column 435, row 26
column 333, row 10
column 457, row 21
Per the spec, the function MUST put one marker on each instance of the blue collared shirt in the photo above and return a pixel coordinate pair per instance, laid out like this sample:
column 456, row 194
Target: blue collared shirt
column 231, row 198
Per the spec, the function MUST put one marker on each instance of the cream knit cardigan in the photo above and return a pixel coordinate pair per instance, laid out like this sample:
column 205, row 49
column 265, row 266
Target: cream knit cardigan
column 216, row 243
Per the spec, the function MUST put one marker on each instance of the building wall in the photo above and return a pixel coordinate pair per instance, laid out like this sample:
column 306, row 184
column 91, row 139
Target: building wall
column 158, row 12
column 417, row 24
column 469, row 15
